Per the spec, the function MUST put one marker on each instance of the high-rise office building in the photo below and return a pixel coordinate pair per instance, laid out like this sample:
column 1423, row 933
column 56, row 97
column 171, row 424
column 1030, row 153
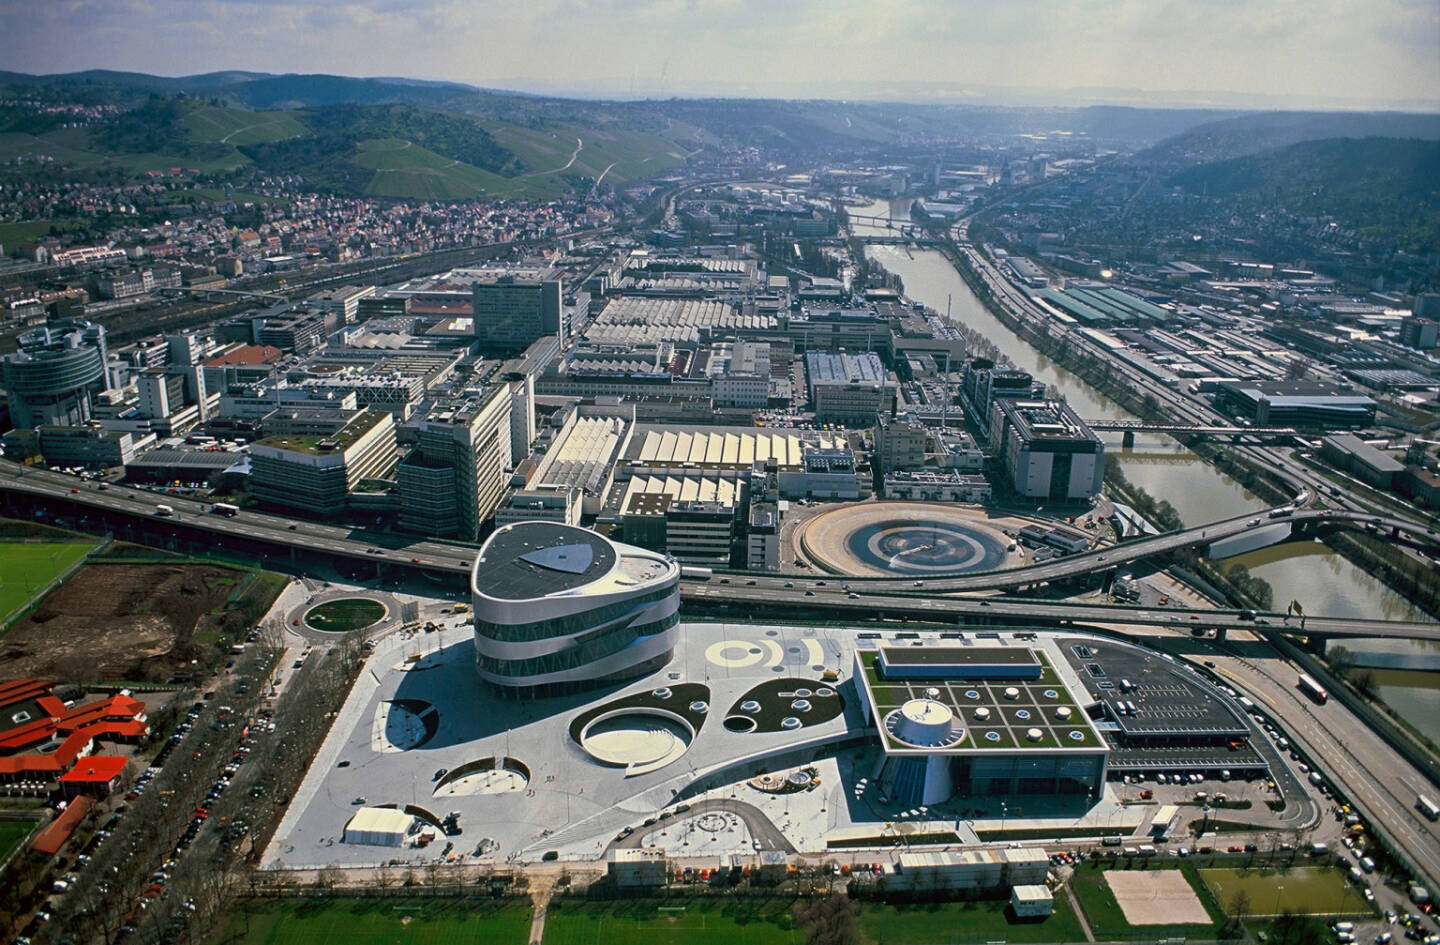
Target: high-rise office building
column 51, row 379
column 454, row 479
column 516, row 309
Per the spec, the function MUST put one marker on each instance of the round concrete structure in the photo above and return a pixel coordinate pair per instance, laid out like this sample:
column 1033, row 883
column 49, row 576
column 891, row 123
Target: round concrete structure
column 886, row 539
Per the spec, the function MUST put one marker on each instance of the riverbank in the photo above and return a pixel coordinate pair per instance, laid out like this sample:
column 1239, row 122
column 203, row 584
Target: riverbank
column 1417, row 583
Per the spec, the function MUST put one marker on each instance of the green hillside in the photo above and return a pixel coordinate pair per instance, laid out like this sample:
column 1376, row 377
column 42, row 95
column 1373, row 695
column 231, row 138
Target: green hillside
column 1386, row 189
column 235, row 127
column 406, row 170
column 1267, row 131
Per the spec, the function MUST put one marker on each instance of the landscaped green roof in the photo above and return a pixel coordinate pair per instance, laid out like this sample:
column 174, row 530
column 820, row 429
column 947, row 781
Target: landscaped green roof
column 337, row 442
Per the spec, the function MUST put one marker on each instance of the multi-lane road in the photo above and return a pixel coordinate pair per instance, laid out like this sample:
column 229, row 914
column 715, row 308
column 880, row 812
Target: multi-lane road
column 277, row 532
column 284, row 535
column 829, row 595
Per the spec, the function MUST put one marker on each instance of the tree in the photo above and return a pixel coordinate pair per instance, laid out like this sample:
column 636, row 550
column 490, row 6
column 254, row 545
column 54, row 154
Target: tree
column 1239, row 907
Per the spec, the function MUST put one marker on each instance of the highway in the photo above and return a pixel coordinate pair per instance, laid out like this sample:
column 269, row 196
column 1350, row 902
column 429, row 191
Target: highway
column 279, row 531
column 829, row 594
column 896, row 596
column 1376, row 778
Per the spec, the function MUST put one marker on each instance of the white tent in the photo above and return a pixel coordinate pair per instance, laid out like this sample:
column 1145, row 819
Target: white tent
column 378, row 826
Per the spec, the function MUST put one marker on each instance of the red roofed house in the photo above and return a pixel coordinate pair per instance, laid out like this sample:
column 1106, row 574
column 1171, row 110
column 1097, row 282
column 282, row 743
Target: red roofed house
column 95, row 776
column 40, row 739
column 52, row 838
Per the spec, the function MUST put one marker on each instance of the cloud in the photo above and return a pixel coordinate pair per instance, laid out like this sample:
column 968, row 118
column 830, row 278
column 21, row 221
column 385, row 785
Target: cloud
column 1383, row 50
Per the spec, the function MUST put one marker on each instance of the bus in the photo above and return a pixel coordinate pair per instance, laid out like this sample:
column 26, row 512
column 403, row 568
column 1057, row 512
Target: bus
column 691, row 573
column 225, row 509
column 1313, row 689
column 1427, row 807
column 164, row 511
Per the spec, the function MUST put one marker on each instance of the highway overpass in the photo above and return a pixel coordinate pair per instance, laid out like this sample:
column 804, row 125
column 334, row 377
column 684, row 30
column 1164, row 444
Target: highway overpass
column 279, row 541
column 831, row 600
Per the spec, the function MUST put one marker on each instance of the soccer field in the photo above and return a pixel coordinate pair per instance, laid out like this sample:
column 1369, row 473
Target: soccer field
column 376, row 922
column 13, row 833
column 672, row 922
column 1307, row 890
column 27, row 566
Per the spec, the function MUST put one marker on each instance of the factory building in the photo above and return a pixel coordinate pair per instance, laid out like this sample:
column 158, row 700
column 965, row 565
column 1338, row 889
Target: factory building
column 1301, row 404
column 849, row 389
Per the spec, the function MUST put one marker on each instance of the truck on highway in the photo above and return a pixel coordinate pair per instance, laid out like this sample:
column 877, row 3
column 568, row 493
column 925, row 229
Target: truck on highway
column 1312, row 689
column 691, row 573
column 1427, row 807
column 164, row 511
column 225, row 509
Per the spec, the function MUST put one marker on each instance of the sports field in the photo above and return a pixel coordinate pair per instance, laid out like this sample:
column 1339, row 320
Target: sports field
column 1107, row 918
column 375, row 922
column 672, row 922
column 27, row 566
column 13, row 833
column 1302, row 890
column 942, row 923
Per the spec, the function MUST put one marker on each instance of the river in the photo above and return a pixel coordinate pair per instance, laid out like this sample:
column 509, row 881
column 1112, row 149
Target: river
column 1322, row 580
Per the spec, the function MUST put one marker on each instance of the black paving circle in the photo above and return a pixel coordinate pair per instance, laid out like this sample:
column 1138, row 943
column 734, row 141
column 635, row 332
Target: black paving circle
column 909, row 547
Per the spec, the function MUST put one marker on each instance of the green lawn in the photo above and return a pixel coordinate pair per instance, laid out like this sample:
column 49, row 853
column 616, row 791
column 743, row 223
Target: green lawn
column 27, row 566
column 955, row 922
column 342, row 616
column 1107, row 919
column 13, row 833
column 26, row 231
column 375, row 922
column 1303, row 890
column 672, row 922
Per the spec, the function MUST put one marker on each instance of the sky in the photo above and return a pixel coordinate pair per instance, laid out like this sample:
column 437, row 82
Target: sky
column 1357, row 52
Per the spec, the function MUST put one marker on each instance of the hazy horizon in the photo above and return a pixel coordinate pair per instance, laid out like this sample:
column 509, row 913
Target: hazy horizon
column 1205, row 53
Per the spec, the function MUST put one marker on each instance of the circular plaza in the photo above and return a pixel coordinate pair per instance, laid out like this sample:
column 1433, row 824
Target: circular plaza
column 902, row 539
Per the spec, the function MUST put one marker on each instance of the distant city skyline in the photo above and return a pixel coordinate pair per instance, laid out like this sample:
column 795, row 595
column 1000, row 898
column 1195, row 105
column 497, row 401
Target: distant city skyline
column 1227, row 53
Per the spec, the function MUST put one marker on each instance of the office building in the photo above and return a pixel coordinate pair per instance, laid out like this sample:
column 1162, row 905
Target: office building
column 452, row 482
column 315, row 471
column 514, row 310
column 1047, row 450
column 1417, row 332
column 849, row 389
column 344, row 302
column 55, row 373
column 89, row 446
column 561, row 609
column 544, row 504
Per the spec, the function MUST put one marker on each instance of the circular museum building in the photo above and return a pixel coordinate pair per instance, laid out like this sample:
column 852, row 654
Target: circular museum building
column 560, row 609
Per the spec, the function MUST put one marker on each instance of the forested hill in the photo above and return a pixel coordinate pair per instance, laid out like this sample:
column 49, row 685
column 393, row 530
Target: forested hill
column 1386, row 189
column 1265, row 131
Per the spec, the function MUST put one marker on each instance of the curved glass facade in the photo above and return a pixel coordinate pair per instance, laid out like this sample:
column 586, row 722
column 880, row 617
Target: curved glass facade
column 619, row 620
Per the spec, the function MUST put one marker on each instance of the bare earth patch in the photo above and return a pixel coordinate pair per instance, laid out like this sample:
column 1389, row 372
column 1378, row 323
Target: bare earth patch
column 1156, row 897
column 131, row 622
